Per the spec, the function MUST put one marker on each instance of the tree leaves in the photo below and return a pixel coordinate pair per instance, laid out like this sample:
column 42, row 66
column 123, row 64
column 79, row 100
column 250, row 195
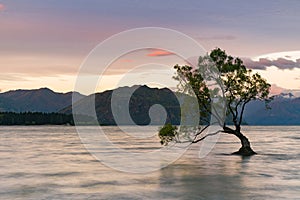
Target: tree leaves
column 240, row 86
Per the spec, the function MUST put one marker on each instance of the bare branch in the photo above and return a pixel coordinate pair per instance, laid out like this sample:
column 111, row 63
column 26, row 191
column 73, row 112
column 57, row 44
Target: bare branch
column 210, row 134
column 201, row 131
column 242, row 111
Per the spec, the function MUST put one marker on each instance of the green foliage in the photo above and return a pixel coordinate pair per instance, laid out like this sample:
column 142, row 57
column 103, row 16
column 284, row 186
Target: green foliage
column 239, row 86
column 167, row 133
column 186, row 74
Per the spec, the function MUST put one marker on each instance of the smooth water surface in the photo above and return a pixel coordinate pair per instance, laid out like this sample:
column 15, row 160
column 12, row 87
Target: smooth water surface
column 49, row 162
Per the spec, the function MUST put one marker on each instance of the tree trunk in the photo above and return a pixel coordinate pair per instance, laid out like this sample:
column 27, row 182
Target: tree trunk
column 246, row 149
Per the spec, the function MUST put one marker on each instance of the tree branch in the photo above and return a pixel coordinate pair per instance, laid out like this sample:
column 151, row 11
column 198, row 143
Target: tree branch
column 210, row 134
column 230, row 109
column 228, row 130
column 201, row 131
column 242, row 111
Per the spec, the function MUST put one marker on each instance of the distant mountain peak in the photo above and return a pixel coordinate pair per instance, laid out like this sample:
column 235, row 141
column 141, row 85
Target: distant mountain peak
column 286, row 95
column 45, row 89
column 36, row 100
column 28, row 90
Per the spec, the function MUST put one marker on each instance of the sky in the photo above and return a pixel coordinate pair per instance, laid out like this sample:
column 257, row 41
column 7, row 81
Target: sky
column 44, row 43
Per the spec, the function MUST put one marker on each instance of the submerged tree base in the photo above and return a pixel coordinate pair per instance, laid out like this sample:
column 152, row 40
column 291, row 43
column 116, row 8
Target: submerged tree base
column 245, row 151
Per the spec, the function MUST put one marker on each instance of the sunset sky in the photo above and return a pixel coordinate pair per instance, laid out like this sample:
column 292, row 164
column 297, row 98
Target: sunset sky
column 43, row 43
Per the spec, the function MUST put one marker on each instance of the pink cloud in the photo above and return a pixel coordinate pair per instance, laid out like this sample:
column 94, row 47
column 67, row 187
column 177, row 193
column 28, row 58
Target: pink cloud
column 218, row 37
column 157, row 52
column 275, row 90
column 126, row 60
column 263, row 63
column 1, row 7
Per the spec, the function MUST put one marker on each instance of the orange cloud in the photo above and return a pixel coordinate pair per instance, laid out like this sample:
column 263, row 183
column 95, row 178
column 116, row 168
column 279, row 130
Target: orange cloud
column 275, row 90
column 1, row 7
column 155, row 53
column 126, row 60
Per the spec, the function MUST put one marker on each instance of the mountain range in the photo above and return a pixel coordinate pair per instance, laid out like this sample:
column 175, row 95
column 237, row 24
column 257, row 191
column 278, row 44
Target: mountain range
column 37, row 100
column 132, row 105
column 285, row 109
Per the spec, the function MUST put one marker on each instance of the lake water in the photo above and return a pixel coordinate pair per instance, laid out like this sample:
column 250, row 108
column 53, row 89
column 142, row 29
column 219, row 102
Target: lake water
column 50, row 162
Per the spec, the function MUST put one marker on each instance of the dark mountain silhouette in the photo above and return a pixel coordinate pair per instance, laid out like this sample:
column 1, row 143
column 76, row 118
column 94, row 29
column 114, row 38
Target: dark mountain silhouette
column 139, row 104
column 285, row 109
column 37, row 100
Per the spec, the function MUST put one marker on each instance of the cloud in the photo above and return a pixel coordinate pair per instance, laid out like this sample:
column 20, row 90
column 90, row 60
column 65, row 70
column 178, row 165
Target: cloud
column 157, row 52
column 1, row 7
column 218, row 37
column 37, row 65
column 277, row 90
column 12, row 77
column 263, row 63
column 126, row 61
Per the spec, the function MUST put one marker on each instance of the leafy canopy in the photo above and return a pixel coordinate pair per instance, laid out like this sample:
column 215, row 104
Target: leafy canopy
column 239, row 86
column 167, row 133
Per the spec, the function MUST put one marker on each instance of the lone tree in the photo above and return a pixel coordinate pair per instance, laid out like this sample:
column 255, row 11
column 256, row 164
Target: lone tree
column 239, row 86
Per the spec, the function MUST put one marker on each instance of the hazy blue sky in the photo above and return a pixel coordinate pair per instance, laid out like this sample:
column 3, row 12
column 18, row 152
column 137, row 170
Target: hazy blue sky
column 43, row 43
